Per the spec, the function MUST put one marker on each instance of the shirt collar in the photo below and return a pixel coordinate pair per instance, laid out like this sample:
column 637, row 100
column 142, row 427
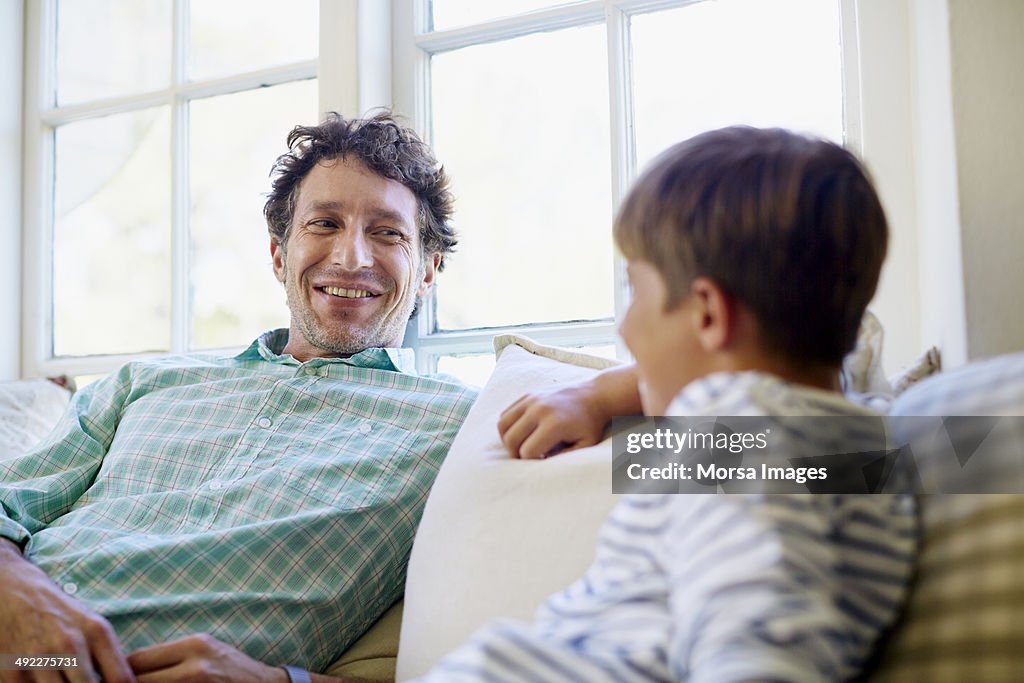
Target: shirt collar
column 270, row 345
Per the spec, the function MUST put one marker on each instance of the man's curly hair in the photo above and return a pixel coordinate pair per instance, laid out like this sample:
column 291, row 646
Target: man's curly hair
column 386, row 148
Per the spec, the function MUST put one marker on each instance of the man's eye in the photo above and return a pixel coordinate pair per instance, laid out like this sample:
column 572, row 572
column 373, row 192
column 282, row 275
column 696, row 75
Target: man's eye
column 323, row 223
column 388, row 233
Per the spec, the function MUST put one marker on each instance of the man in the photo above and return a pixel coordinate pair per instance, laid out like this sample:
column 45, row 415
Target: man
column 268, row 499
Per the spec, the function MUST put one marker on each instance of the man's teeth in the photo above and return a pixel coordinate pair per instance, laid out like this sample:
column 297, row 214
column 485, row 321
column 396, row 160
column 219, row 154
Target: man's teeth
column 347, row 293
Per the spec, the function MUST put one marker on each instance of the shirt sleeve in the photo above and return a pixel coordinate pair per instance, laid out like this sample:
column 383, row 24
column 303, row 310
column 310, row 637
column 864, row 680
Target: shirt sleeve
column 782, row 588
column 44, row 483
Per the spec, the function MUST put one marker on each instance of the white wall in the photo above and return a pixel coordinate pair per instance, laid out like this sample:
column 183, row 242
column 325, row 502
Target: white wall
column 886, row 133
column 987, row 48
column 11, row 22
column 969, row 109
column 943, row 314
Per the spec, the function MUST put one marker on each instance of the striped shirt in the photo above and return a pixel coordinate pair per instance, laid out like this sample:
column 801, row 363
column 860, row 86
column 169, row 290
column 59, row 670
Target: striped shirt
column 719, row 587
column 268, row 502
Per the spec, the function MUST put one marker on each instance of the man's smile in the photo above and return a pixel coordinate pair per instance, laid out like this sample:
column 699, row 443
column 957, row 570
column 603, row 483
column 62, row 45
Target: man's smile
column 348, row 293
column 335, row 297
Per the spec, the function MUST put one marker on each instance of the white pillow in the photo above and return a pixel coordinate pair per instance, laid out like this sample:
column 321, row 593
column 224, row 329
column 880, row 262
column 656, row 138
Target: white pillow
column 498, row 535
column 29, row 409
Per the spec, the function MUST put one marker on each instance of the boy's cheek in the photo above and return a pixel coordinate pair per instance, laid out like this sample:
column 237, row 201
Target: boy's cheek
column 632, row 330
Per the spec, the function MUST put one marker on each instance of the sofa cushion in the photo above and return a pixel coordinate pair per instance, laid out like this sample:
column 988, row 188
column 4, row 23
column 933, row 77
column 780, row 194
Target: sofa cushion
column 495, row 521
column 372, row 658
column 965, row 617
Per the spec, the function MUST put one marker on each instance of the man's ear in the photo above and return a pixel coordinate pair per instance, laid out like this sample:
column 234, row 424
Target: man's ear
column 431, row 262
column 714, row 314
column 277, row 255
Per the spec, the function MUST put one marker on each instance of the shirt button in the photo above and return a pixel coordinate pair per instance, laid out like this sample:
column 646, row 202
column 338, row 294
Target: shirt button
column 216, row 486
column 70, row 588
column 264, row 422
column 364, row 427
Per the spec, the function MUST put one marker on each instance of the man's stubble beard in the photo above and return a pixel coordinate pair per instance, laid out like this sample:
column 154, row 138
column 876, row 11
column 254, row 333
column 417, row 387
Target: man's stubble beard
column 375, row 333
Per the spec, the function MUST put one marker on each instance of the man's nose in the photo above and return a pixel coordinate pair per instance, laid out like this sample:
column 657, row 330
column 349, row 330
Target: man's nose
column 351, row 250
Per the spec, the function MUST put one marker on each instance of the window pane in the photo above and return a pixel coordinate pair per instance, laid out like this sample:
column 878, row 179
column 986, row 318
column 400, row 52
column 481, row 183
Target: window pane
column 235, row 139
column 449, row 13
column 82, row 381
column 111, row 257
column 107, row 48
column 472, row 368
column 476, row 368
column 231, row 36
column 714, row 64
column 522, row 126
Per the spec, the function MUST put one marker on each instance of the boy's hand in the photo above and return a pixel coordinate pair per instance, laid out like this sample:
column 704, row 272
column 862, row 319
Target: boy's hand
column 549, row 422
column 573, row 416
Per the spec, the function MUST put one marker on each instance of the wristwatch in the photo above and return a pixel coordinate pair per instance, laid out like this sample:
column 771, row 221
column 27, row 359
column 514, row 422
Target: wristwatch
column 297, row 675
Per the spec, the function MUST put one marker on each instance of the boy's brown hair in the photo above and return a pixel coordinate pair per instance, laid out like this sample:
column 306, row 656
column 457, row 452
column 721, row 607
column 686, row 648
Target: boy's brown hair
column 787, row 224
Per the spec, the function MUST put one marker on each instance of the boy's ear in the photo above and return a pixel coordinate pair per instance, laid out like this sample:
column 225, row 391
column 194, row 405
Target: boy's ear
column 714, row 312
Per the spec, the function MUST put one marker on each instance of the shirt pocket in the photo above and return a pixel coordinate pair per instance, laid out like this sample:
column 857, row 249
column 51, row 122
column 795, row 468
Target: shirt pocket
column 357, row 468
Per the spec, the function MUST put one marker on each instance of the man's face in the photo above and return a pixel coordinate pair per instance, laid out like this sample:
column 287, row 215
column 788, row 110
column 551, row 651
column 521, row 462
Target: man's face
column 664, row 343
column 353, row 266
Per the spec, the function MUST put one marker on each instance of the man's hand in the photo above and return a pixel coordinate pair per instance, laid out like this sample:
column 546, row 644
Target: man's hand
column 199, row 659
column 37, row 618
column 572, row 416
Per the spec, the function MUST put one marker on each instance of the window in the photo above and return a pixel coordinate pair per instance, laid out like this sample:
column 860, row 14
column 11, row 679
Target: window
column 151, row 127
column 157, row 125
column 543, row 112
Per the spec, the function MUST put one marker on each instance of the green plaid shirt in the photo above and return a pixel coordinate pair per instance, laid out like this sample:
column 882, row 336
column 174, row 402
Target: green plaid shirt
column 268, row 502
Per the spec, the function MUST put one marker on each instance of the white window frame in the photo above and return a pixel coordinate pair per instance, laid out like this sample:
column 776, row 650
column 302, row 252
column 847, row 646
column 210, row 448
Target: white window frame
column 413, row 47
column 340, row 87
column 376, row 53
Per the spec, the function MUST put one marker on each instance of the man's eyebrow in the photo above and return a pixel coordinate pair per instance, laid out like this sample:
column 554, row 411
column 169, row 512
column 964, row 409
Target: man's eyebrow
column 382, row 214
column 328, row 205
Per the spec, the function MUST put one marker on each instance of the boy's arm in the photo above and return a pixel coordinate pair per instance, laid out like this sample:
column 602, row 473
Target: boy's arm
column 569, row 417
column 754, row 587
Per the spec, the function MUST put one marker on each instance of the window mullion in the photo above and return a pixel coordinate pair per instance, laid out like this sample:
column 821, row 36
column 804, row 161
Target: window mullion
column 37, row 214
column 426, row 321
column 180, row 241
column 506, row 28
column 852, row 111
column 623, row 161
column 410, row 68
column 581, row 333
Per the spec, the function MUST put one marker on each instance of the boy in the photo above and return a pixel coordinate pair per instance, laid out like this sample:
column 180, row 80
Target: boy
column 752, row 255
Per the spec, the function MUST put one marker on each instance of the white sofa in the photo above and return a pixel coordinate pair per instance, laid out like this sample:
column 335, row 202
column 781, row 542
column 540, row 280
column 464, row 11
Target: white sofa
column 499, row 535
